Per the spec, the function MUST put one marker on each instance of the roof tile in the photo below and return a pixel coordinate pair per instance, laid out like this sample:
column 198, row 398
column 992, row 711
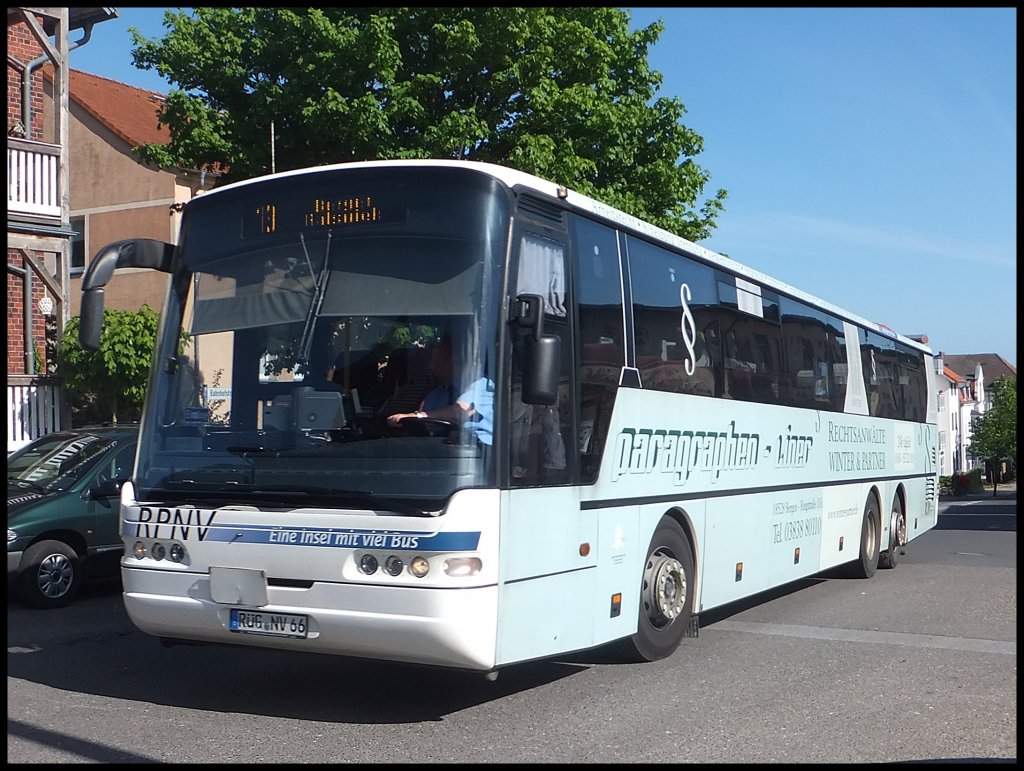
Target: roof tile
column 128, row 111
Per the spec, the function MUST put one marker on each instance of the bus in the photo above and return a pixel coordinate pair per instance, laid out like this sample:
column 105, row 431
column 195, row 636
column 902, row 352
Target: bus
column 643, row 429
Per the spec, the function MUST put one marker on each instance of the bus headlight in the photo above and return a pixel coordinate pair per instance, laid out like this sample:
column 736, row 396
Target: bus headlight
column 139, row 550
column 463, row 566
column 368, row 564
column 159, row 551
column 393, row 566
column 177, row 552
column 419, row 566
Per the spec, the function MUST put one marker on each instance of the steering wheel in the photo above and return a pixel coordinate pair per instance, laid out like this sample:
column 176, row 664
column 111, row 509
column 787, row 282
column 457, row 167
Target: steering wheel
column 427, row 426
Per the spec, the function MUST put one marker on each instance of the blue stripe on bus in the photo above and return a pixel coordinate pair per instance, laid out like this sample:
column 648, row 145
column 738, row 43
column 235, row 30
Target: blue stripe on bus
column 670, row 497
column 394, row 540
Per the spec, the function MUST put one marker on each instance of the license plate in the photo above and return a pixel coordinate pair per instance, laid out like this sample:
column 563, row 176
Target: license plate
column 274, row 624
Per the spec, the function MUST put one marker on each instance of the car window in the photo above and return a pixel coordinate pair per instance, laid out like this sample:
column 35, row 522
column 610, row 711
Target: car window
column 118, row 465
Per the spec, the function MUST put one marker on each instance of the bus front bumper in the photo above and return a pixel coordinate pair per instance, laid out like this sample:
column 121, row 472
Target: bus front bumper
column 423, row 625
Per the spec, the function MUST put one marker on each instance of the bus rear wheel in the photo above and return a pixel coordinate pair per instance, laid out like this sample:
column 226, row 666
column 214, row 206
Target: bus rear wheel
column 897, row 535
column 666, row 595
column 870, row 538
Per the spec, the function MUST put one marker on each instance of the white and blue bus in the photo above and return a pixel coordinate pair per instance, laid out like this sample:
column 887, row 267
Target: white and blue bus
column 638, row 429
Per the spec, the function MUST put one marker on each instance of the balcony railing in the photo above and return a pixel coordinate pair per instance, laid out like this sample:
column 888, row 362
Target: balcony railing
column 35, row 407
column 32, row 178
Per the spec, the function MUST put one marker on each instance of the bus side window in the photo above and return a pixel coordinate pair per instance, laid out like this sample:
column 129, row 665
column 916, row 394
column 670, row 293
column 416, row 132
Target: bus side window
column 539, row 432
column 881, row 375
column 673, row 312
column 598, row 293
column 753, row 361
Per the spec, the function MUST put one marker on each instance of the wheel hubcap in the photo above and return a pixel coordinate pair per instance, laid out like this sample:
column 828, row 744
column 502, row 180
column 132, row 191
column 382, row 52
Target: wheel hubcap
column 55, row 575
column 665, row 589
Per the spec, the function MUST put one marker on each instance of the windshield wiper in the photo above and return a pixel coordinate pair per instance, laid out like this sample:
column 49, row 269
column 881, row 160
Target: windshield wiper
column 327, row 496
column 26, row 483
column 315, row 302
column 364, row 497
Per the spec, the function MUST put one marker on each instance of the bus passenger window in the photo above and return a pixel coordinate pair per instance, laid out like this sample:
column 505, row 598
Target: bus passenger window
column 673, row 306
column 598, row 296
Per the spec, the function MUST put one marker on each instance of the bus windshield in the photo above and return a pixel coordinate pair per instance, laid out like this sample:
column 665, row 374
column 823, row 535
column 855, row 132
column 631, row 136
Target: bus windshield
column 314, row 308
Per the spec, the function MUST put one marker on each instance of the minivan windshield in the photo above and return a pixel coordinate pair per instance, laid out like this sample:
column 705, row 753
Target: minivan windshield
column 55, row 462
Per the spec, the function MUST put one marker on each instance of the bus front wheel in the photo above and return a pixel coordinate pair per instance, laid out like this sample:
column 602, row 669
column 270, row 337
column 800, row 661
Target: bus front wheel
column 666, row 595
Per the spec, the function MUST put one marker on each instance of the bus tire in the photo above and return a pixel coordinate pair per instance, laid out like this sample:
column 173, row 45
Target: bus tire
column 50, row 575
column 870, row 538
column 666, row 595
column 897, row 535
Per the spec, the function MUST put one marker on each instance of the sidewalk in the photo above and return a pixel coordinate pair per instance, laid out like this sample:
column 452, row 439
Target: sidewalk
column 1004, row 490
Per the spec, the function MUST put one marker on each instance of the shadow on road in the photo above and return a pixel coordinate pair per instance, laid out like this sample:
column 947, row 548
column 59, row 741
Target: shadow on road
column 115, row 660
column 993, row 523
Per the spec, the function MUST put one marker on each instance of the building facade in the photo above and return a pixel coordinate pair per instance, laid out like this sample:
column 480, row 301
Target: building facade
column 974, row 376
column 74, row 185
column 113, row 194
column 38, row 210
column 947, row 382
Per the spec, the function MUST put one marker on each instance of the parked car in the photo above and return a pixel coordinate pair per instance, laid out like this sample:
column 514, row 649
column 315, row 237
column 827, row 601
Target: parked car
column 63, row 496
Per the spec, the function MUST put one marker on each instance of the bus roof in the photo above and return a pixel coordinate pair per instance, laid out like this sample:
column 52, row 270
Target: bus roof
column 514, row 178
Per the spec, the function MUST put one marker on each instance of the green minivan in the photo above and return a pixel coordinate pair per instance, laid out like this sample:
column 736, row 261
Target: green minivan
column 63, row 500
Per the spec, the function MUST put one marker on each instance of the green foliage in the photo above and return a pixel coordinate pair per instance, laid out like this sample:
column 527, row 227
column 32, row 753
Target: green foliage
column 994, row 434
column 112, row 378
column 563, row 93
column 51, row 342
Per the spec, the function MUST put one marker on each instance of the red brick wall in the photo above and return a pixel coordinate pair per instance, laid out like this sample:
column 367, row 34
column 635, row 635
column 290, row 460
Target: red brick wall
column 23, row 46
column 16, row 316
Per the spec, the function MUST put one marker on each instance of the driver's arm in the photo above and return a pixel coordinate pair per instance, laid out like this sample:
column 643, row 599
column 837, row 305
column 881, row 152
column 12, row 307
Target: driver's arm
column 453, row 413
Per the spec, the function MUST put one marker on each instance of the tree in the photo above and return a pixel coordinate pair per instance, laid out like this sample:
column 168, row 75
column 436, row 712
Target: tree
column 563, row 93
column 994, row 434
column 115, row 375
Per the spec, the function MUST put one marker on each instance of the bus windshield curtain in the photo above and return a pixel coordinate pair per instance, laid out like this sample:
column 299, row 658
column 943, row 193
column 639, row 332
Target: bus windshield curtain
column 542, row 272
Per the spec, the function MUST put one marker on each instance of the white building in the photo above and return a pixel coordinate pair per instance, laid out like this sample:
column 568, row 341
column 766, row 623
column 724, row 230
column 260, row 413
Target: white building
column 972, row 405
column 948, row 386
column 966, row 387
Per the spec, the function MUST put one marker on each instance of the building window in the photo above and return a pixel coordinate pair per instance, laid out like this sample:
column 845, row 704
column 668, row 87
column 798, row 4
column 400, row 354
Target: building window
column 78, row 245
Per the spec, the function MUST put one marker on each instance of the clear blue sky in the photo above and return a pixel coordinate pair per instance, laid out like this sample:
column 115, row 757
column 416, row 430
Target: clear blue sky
column 870, row 154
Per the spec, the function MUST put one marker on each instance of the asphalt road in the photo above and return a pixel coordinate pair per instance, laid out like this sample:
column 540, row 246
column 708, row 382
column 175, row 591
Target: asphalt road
column 917, row 664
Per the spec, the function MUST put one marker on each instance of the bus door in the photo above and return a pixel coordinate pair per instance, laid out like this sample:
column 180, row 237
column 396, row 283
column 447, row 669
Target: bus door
column 545, row 603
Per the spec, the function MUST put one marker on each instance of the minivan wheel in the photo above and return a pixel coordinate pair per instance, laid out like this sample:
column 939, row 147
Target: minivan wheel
column 50, row 575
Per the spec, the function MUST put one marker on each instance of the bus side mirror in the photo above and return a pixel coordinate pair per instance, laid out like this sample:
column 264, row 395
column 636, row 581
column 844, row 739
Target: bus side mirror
column 90, row 324
column 130, row 253
column 540, row 369
column 541, row 353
